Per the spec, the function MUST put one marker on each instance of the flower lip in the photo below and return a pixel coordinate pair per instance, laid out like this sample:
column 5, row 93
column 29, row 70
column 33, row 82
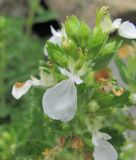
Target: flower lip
column 19, row 89
column 60, row 102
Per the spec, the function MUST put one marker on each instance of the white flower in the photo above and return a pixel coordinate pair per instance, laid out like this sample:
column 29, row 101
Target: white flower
column 125, row 29
column 60, row 101
column 19, row 89
column 56, row 38
column 103, row 150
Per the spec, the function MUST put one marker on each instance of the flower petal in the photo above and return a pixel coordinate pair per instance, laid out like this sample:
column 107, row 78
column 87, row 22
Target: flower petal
column 98, row 136
column 116, row 24
column 127, row 30
column 105, row 151
column 73, row 77
column 19, row 89
column 77, row 79
column 104, row 136
column 56, row 38
column 64, row 72
column 55, row 33
column 60, row 101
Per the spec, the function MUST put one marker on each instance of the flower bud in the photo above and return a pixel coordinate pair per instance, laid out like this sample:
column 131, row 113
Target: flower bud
column 93, row 106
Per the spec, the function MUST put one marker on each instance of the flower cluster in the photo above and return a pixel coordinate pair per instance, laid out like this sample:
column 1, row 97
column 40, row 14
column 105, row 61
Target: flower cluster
column 75, row 53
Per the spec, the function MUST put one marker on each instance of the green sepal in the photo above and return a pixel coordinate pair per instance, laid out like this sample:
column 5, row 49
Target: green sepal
column 100, row 15
column 98, row 38
column 56, row 54
column 78, row 31
column 70, row 48
column 105, row 55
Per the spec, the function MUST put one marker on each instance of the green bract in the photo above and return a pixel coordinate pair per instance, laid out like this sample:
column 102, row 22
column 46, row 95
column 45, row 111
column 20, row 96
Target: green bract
column 78, row 31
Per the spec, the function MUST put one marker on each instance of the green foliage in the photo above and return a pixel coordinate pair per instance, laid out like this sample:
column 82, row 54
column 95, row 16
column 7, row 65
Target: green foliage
column 85, row 52
column 17, row 50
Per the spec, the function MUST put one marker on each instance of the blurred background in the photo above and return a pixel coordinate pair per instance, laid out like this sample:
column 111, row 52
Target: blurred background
column 24, row 29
